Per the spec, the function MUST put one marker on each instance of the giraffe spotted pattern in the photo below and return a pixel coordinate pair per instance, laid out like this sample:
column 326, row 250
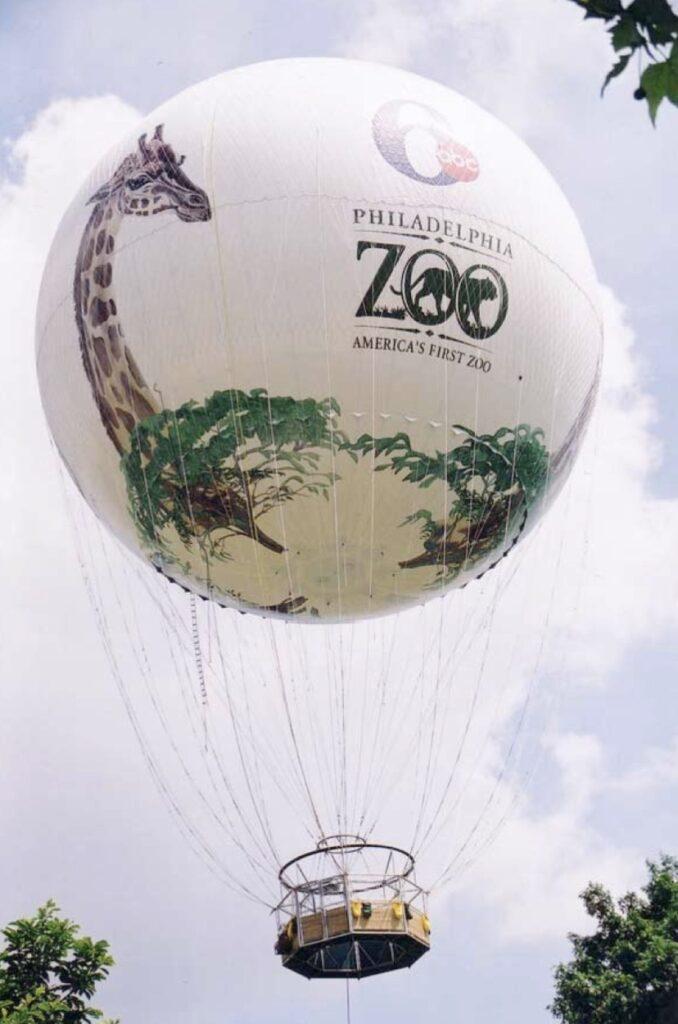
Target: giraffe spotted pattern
column 147, row 182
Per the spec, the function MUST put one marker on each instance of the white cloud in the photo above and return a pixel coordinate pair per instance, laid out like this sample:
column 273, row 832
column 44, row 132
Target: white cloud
column 388, row 32
column 523, row 59
column 531, row 878
column 631, row 537
column 50, row 161
column 544, row 859
column 657, row 770
column 49, row 655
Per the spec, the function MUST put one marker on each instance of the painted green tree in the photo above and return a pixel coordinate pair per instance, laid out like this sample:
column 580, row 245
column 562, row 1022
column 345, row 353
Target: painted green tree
column 626, row 972
column 647, row 29
column 211, row 471
column 493, row 478
column 48, row 973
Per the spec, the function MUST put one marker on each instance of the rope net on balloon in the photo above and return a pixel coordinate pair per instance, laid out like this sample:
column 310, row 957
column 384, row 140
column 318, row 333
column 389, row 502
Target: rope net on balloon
column 263, row 735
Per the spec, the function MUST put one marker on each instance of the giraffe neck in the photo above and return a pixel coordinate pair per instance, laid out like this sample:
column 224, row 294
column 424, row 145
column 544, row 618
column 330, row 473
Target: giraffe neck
column 122, row 395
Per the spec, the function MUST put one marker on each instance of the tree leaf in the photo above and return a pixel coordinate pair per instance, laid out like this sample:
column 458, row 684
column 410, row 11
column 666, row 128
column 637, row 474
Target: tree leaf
column 653, row 12
column 655, row 80
column 661, row 34
column 605, row 9
column 672, row 85
column 616, row 70
column 625, row 34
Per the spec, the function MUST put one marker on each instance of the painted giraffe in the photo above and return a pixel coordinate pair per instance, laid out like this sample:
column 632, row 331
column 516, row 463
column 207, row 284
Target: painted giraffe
column 147, row 182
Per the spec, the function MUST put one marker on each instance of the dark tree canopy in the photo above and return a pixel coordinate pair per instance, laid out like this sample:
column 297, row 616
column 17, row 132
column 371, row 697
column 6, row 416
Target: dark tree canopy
column 48, row 974
column 649, row 30
column 627, row 971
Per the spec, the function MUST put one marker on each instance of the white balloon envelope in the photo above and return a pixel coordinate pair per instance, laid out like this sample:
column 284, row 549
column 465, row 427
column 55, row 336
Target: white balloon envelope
column 321, row 339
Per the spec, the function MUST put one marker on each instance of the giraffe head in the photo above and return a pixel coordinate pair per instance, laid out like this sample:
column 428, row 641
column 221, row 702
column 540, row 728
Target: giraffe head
column 151, row 180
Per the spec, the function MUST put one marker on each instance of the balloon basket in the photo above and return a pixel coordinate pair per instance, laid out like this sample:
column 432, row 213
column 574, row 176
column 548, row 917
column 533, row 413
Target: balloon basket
column 351, row 909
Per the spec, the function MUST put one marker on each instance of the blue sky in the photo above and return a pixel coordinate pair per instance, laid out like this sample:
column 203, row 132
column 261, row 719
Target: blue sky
column 85, row 823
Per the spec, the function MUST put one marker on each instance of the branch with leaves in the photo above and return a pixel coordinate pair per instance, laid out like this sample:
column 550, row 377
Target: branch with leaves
column 627, row 970
column 649, row 29
column 48, row 973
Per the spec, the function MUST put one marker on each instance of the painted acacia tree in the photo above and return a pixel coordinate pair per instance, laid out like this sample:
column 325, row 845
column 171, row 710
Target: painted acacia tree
column 48, row 974
column 648, row 30
column 493, row 479
column 210, row 471
column 626, row 972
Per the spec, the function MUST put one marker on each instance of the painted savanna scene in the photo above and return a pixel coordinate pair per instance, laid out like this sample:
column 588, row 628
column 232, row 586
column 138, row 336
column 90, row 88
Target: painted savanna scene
column 211, row 470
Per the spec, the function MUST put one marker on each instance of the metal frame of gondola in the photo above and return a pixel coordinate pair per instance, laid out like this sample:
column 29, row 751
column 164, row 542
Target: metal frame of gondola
column 327, row 901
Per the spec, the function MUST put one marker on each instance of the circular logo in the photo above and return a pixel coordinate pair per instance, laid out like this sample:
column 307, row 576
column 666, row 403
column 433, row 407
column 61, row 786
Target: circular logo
column 415, row 139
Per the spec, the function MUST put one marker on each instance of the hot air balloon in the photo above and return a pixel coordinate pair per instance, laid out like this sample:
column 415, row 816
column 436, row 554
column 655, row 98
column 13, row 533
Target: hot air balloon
column 319, row 342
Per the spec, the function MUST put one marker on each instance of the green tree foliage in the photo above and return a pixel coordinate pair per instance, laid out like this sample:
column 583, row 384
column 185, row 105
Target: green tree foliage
column 48, row 974
column 221, row 465
column 209, row 472
column 627, row 971
column 494, row 479
column 648, row 28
